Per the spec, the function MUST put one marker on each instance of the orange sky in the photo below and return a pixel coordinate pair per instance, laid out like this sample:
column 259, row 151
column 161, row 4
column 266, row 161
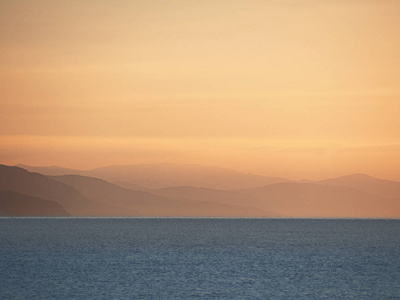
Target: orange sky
column 300, row 89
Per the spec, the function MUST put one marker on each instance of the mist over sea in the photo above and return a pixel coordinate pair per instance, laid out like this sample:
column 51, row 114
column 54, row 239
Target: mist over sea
column 152, row 258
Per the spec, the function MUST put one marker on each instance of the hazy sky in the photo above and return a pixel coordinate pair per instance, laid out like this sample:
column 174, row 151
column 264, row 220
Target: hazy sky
column 300, row 89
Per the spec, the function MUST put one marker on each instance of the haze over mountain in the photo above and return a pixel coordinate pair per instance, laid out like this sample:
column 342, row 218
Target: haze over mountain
column 368, row 184
column 165, row 175
column 292, row 199
column 356, row 195
column 316, row 200
column 149, row 204
column 294, row 89
column 38, row 185
column 49, row 170
column 85, row 196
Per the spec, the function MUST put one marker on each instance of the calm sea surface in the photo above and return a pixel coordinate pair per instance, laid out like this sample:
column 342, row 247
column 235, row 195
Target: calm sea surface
column 50, row 258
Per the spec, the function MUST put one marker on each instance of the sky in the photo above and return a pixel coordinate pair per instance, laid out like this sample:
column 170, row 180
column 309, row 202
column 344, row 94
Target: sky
column 298, row 89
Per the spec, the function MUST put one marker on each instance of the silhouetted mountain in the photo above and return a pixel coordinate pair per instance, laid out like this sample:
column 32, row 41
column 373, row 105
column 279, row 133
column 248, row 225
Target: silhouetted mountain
column 37, row 185
column 166, row 175
column 317, row 200
column 52, row 170
column 154, row 176
column 95, row 197
column 129, row 186
column 368, row 184
column 149, row 204
column 347, row 196
column 204, row 194
column 17, row 204
column 296, row 200
column 40, row 186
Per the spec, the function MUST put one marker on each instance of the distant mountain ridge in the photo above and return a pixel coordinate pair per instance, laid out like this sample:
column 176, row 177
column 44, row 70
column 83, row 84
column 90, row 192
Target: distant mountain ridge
column 86, row 196
column 368, row 184
column 154, row 176
column 38, row 185
column 293, row 199
column 51, row 170
column 350, row 196
column 318, row 200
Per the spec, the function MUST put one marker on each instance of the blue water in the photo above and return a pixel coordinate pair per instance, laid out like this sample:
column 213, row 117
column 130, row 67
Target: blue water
column 50, row 258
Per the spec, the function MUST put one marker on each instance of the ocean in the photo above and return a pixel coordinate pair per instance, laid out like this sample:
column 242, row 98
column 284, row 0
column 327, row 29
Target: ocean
column 199, row 258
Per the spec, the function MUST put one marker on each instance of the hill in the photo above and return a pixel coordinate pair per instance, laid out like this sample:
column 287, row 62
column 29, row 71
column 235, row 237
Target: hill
column 149, row 204
column 155, row 176
column 39, row 186
column 367, row 184
column 17, row 204
column 322, row 201
column 292, row 199
column 351, row 196
column 52, row 170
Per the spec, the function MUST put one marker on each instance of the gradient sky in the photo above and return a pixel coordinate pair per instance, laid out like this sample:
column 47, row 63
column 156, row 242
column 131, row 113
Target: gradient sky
column 299, row 89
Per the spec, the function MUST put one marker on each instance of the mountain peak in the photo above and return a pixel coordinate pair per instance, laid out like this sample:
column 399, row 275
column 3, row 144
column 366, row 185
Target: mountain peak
column 357, row 176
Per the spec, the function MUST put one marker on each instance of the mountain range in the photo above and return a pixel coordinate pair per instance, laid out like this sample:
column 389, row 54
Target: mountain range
column 189, row 191
column 152, row 176
column 88, row 196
